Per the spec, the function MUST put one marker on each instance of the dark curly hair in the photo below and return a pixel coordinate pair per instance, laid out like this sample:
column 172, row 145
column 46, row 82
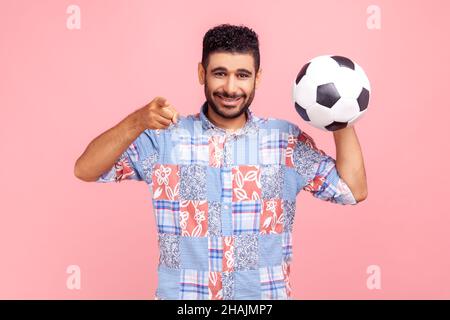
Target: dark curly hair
column 230, row 38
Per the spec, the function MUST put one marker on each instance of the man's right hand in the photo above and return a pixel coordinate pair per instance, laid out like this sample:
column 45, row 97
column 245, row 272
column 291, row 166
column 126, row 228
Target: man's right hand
column 158, row 114
column 101, row 154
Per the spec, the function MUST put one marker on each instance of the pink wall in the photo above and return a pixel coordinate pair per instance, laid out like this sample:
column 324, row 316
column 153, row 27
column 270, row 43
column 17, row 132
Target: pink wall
column 60, row 88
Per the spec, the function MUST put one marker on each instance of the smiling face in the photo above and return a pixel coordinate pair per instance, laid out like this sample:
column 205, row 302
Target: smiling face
column 230, row 82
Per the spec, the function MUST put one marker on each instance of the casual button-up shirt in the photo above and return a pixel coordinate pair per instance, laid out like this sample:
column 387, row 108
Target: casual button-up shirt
column 225, row 202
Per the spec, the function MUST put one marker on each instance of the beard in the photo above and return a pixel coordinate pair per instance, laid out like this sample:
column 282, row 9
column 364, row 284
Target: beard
column 224, row 112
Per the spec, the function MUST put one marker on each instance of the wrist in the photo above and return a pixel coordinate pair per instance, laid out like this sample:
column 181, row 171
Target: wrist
column 134, row 124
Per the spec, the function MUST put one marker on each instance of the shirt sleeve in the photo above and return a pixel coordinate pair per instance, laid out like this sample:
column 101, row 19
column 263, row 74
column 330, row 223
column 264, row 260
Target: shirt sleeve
column 136, row 162
column 318, row 172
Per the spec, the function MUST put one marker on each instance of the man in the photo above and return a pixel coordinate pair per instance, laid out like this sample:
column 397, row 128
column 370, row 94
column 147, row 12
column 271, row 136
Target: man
column 224, row 181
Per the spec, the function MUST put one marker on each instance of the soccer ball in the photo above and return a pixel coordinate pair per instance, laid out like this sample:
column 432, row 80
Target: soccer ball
column 331, row 92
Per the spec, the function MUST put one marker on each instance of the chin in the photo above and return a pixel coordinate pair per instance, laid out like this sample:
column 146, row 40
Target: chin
column 230, row 113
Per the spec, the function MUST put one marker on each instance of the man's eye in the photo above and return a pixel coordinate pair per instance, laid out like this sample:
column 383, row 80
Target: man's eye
column 241, row 75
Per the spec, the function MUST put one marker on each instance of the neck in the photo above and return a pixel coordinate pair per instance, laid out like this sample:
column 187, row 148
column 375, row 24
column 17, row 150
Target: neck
column 225, row 123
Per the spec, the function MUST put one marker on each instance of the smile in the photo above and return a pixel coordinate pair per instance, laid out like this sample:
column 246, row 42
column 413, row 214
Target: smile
column 229, row 102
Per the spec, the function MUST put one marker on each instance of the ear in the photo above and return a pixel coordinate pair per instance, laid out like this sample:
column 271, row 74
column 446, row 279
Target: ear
column 258, row 78
column 201, row 74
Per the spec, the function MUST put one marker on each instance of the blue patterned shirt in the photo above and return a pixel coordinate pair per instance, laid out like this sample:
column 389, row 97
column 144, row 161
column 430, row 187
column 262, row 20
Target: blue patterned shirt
column 225, row 202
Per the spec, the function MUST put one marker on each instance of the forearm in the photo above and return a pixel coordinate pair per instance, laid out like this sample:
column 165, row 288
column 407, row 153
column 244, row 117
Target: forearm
column 102, row 152
column 350, row 162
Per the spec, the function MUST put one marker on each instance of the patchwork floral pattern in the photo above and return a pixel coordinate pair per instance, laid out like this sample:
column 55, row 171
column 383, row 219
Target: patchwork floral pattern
column 246, row 248
column 315, row 184
column 272, row 177
column 215, row 289
column 272, row 217
column 228, row 254
column 166, row 182
column 228, row 285
column 147, row 166
column 223, row 219
column 169, row 247
column 216, row 151
column 246, row 183
column 214, row 219
column 289, row 214
column 303, row 137
column 193, row 182
column 123, row 170
column 306, row 157
column 292, row 140
column 194, row 218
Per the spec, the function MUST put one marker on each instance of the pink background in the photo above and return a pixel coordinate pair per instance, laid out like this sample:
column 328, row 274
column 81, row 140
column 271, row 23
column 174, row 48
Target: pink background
column 61, row 88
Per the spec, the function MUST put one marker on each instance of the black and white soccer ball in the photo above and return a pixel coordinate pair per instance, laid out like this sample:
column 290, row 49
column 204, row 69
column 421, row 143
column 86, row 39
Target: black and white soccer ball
column 331, row 92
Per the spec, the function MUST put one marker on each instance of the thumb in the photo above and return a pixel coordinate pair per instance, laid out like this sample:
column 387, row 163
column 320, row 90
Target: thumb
column 176, row 115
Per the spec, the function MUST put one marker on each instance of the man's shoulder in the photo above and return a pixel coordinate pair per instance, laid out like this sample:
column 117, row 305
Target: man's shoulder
column 277, row 123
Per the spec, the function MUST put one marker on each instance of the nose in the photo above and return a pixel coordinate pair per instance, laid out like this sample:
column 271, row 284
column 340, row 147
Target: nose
column 230, row 87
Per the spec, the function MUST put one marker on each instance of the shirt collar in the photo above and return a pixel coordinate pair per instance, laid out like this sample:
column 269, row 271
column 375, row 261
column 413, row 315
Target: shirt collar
column 250, row 125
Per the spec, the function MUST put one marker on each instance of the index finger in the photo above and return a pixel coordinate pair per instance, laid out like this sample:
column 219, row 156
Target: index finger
column 162, row 102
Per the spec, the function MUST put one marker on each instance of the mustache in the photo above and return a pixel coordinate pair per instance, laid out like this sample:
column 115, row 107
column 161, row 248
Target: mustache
column 227, row 96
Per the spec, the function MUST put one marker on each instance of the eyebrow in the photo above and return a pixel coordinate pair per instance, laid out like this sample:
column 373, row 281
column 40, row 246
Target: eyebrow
column 238, row 70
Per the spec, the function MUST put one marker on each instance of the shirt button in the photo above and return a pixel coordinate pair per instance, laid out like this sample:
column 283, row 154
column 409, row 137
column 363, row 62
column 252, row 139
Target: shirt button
column 225, row 207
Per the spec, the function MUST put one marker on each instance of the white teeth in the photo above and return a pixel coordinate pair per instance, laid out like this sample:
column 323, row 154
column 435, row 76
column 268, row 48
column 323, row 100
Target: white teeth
column 227, row 99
